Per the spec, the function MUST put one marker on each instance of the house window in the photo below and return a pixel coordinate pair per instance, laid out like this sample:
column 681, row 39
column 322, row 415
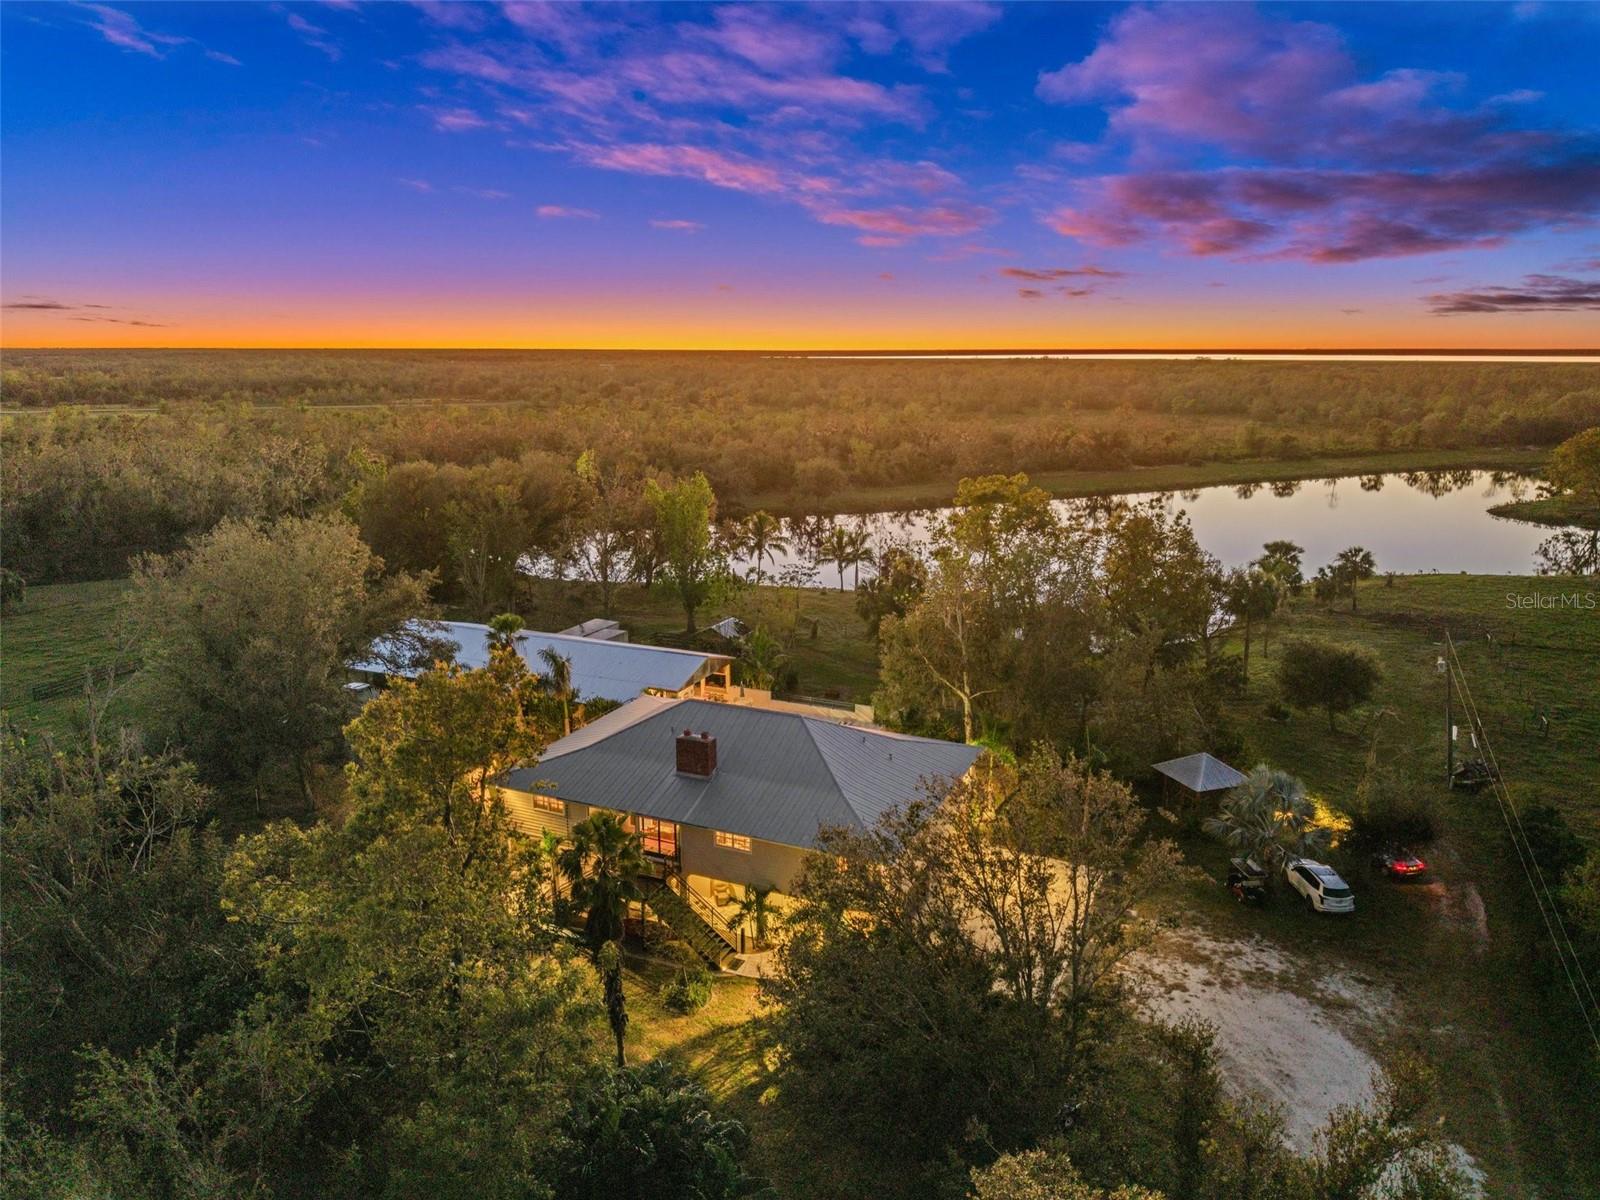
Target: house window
column 550, row 804
column 733, row 841
column 659, row 837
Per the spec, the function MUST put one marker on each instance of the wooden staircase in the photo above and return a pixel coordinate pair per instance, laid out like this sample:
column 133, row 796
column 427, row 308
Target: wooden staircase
column 688, row 915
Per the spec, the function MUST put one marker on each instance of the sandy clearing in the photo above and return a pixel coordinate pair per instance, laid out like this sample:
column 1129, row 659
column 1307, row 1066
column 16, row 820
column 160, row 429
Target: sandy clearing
column 1287, row 1033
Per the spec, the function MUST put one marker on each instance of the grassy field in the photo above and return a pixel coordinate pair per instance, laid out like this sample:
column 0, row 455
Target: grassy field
column 1169, row 478
column 1555, row 510
column 56, row 635
column 1456, row 951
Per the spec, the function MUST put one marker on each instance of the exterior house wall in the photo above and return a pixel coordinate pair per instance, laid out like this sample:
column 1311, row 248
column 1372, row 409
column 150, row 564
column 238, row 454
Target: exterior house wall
column 535, row 822
column 766, row 865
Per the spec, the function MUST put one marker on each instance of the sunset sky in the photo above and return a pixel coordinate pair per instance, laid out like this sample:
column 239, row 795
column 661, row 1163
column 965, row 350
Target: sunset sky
column 844, row 175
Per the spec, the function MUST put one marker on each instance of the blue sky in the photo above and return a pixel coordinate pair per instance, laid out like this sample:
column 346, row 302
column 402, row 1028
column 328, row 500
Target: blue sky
column 964, row 174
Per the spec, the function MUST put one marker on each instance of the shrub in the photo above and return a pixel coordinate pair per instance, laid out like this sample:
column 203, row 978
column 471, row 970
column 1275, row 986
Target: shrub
column 1328, row 675
column 688, row 991
column 1390, row 807
column 1276, row 710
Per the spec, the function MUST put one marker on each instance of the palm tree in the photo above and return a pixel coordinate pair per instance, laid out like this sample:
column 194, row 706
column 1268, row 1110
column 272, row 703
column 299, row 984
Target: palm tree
column 557, row 683
column 503, row 631
column 1283, row 559
column 1351, row 566
column 763, row 536
column 1269, row 817
column 860, row 551
column 836, row 547
column 734, row 538
column 1251, row 595
column 609, row 961
column 756, row 909
column 761, row 659
column 602, row 867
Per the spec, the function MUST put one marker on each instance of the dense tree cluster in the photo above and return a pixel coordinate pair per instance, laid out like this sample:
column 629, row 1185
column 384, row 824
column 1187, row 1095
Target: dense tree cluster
column 250, row 434
column 1093, row 628
column 381, row 1005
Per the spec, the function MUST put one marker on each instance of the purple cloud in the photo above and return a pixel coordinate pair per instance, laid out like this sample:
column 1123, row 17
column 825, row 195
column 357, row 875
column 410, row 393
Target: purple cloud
column 1051, row 274
column 677, row 225
column 122, row 30
column 753, row 99
column 558, row 212
column 897, row 225
column 1536, row 293
column 318, row 38
column 1342, row 169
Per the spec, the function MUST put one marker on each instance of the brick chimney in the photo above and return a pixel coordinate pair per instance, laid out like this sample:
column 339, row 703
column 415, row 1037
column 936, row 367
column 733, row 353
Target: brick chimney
column 697, row 754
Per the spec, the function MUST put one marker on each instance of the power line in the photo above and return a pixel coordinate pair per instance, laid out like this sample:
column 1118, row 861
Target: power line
column 1548, row 909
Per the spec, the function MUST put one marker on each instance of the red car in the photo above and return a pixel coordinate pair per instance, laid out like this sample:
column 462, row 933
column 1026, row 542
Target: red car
column 1397, row 863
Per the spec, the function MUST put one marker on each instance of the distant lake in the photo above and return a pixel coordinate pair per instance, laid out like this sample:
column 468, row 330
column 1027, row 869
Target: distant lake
column 1413, row 522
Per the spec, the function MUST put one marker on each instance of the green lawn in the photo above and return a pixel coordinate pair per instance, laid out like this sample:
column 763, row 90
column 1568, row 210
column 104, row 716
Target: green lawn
column 1455, row 951
column 56, row 635
column 1553, row 510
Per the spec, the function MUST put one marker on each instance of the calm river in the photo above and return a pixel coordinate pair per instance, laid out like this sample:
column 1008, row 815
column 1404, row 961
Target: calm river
column 1411, row 521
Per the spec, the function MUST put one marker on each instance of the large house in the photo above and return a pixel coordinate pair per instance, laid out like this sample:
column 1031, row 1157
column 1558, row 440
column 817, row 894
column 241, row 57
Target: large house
column 725, row 796
column 604, row 666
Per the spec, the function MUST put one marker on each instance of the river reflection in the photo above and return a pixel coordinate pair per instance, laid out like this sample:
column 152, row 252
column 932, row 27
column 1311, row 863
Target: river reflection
column 1412, row 521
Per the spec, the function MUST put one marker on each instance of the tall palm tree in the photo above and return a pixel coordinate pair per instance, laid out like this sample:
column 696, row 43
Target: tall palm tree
column 609, row 960
column 1269, row 817
column 1251, row 595
column 602, row 869
column 860, row 551
column 557, row 683
column 836, row 547
column 763, row 534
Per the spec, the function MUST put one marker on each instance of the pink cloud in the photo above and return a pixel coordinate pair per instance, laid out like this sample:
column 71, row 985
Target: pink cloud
column 747, row 98
column 559, row 212
column 677, row 225
column 122, row 30
column 456, row 120
column 898, row 224
column 768, row 41
column 1344, row 169
column 1051, row 274
column 692, row 162
column 315, row 36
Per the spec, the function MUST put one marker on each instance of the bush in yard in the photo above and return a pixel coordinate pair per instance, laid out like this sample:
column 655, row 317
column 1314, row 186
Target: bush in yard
column 689, row 989
column 1390, row 806
column 650, row 1131
column 1332, row 676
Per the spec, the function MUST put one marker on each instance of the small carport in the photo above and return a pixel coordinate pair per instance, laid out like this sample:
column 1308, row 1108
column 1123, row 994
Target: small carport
column 1191, row 785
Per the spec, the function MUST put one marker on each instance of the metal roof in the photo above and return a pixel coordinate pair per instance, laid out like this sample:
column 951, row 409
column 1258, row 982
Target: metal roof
column 610, row 670
column 1200, row 773
column 779, row 777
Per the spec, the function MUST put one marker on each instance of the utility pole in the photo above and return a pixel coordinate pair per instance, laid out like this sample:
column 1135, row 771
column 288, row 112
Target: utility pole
column 1449, row 725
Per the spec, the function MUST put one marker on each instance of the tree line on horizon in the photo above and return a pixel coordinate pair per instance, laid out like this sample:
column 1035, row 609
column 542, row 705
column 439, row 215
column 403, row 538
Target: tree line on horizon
column 180, row 440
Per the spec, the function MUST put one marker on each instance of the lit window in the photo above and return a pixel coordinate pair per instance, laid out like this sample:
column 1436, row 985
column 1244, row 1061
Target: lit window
column 550, row 804
column 733, row 841
column 659, row 837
